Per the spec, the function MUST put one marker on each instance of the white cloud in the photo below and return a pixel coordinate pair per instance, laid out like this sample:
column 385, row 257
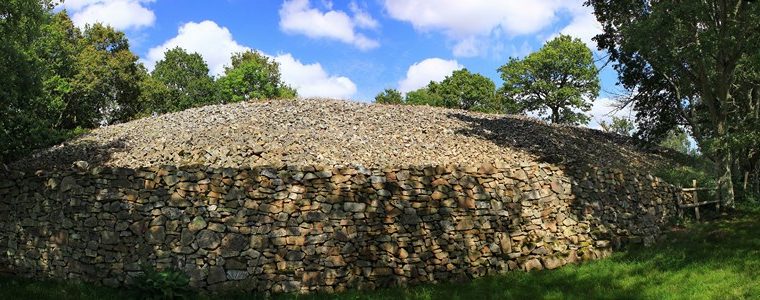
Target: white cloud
column 468, row 47
column 475, row 17
column 583, row 25
column 121, row 14
column 421, row 73
column 213, row 42
column 311, row 80
column 216, row 45
column 361, row 18
column 475, row 25
column 298, row 17
column 604, row 109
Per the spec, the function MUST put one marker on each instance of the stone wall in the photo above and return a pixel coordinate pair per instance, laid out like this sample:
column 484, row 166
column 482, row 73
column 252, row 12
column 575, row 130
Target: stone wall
column 316, row 229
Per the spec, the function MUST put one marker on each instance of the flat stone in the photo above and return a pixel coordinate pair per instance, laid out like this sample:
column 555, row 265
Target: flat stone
column 354, row 206
column 216, row 275
column 216, row 227
column 234, row 242
column 208, row 239
column 155, row 235
column 237, row 274
column 197, row 224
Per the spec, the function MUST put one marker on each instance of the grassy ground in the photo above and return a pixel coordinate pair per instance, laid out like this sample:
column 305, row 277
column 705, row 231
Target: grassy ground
column 712, row 260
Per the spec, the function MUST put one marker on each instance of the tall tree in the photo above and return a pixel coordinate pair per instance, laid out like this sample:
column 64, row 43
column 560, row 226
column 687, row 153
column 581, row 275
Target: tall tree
column 252, row 76
column 686, row 62
column 389, row 96
column 465, row 90
column 22, row 122
column 186, row 78
column 559, row 78
column 107, row 80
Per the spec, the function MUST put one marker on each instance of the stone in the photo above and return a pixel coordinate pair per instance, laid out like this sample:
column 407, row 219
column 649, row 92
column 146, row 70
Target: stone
column 109, row 237
column 208, row 239
column 216, row 227
column 557, row 187
column 532, row 264
column 552, row 262
column 403, row 254
column 236, row 275
column 354, row 206
column 216, row 275
column 197, row 224
column 295, row 255
column 155, row 235
column 68, row 183
column 81, row 166
column 234, row 242
column 171, row 180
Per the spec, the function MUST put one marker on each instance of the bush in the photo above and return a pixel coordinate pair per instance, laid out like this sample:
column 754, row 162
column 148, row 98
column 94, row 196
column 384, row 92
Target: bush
column 166, row 284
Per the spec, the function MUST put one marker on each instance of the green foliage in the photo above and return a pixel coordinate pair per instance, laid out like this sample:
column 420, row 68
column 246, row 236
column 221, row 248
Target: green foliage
column 701, row 170
column 166, row 284
column 185, row 81
column 57, row 78
column 465, row 90
column 701, row 72
column 389, row 96
column 90, row 77
column 677, row 139
column 559, row 78
column 621, row 126
column 107, row 82
column 252, row 76
column 424, row 96
column 462, row 90
column 23, row 125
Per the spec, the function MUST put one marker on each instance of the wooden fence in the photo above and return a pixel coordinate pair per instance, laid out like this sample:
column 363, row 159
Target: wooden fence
column 694, row 201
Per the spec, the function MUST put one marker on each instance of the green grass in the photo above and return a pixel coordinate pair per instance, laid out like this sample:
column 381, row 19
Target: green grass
column 712, row 260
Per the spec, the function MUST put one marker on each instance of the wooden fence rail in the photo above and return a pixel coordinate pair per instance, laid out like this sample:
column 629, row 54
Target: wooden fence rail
column 695, row 199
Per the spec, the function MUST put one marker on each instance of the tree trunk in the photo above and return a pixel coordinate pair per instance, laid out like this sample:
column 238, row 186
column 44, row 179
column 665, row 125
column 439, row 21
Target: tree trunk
column 725, row 165
column 555, row 115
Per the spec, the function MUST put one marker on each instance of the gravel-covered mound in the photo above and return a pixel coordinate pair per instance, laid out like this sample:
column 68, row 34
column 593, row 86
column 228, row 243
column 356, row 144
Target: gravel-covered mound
column 335, row 132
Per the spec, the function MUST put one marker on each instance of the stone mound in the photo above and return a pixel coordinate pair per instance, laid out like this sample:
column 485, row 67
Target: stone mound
column 334, row 133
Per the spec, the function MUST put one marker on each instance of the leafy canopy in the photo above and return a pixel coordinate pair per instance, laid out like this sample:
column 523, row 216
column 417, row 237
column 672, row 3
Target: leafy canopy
column 465, row 90
column 389, row 96
column 185, row 79
column 558, row 79
column 252, row 76
column 689, row 63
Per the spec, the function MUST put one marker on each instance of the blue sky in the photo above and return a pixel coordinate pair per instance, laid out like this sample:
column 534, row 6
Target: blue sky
column 351, row 49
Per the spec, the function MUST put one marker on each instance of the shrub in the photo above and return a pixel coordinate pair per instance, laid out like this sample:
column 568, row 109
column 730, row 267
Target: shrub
column 166, row 284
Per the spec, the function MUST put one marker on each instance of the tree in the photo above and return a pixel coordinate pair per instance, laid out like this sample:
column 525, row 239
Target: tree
column 22, row 110
column 57, row 49
column 621, row 126
column 424, row 96
column 559, row 78
column 106, row 85
column 186, row 78
column 465, row 90
column 698, row 73
column 252, row 76
column 389, row 96
column 677, row 139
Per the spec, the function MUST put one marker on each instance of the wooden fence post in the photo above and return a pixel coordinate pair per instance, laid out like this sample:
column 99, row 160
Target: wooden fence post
column 696, row 200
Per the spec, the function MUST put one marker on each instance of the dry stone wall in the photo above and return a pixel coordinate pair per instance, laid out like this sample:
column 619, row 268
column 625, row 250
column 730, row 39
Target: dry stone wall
column 309, row 229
